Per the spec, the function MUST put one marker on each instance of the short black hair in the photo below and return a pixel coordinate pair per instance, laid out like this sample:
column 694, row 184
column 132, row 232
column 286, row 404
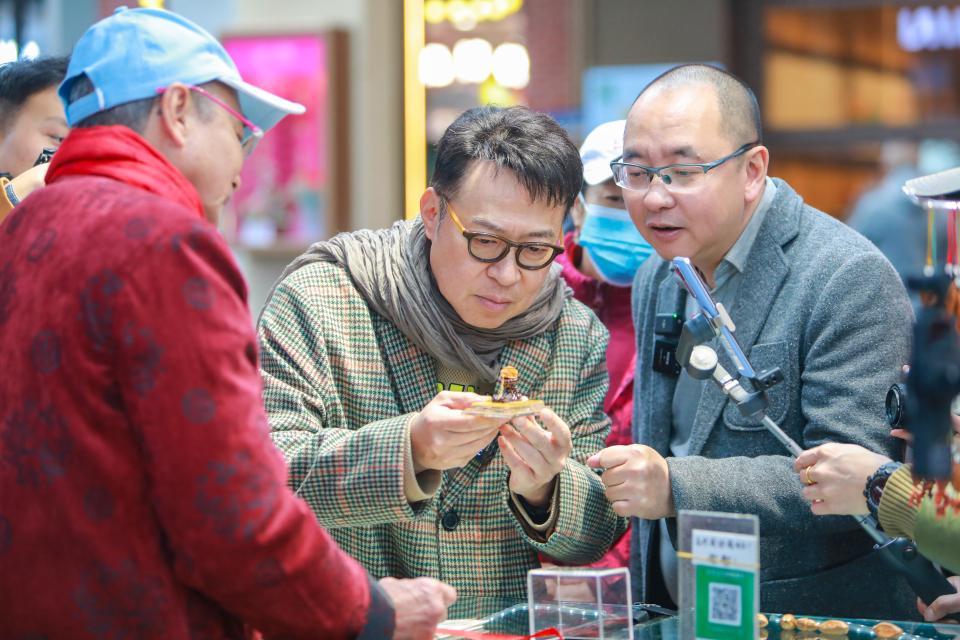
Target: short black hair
column 530, row 144
column 739, row 110
column 22, row 79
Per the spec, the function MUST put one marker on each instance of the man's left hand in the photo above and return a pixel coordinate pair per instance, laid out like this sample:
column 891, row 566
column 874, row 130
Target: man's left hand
column 535, row 454
column 637, row 479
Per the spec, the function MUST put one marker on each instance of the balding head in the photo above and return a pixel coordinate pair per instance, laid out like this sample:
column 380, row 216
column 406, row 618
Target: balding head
column 739, row 111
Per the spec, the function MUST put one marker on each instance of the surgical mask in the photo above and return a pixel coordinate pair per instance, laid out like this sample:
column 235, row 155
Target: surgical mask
column 613, row 243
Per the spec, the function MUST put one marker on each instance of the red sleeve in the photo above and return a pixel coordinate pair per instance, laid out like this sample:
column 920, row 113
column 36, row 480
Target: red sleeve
column 190, row 384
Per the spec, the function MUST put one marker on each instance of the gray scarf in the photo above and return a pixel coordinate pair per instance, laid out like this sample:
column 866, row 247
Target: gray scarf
column 391, row 270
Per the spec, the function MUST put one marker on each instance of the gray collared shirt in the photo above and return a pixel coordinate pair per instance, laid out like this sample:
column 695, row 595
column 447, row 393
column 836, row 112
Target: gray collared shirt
column 686, row 396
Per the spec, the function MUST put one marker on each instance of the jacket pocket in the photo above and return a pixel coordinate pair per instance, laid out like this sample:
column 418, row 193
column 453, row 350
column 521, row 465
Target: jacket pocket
column 763, row 357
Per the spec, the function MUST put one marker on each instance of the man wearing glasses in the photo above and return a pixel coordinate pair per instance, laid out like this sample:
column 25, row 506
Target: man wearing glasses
column 807, row 295
column 376, row 341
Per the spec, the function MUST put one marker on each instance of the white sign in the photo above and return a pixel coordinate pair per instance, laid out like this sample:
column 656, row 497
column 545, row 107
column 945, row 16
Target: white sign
column 928, row 28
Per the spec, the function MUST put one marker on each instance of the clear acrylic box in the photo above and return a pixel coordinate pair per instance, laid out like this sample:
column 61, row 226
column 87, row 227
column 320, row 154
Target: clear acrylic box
column 581, row 603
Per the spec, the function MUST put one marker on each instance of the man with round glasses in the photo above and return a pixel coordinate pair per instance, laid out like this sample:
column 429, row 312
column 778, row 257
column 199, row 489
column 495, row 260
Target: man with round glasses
column 376, row 341
column 807, row 295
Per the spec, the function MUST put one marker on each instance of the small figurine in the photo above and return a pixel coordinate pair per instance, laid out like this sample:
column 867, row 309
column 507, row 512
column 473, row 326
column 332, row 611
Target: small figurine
column 507, row 401
column 507, row 386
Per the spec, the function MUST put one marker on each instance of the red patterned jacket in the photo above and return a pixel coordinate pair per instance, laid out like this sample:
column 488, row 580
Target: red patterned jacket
column 140, row 495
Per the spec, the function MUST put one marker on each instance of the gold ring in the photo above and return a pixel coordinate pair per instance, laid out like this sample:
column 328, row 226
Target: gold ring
column 805, row 476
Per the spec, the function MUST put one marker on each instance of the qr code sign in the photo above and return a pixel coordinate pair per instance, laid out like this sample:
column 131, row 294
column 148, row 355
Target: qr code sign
column 725, row 604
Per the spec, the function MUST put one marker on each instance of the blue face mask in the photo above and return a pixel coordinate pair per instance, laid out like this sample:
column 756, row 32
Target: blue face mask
column 613, row 243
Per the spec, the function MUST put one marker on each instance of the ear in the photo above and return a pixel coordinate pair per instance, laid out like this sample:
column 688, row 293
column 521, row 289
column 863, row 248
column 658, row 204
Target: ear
column 757, row 164
column 430, row 212
column 175, row 106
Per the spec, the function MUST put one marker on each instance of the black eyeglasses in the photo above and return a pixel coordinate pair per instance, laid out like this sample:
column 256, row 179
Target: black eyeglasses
column 676, row 177
column 489, row 247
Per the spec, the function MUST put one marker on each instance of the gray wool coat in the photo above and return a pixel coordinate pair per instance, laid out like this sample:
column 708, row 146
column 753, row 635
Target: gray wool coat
column 819, row 301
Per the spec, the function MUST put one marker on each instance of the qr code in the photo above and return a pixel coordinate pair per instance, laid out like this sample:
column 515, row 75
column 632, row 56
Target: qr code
column 725, row 604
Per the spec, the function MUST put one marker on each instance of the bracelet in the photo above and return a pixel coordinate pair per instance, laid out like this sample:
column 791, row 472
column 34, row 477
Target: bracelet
column 11, row 194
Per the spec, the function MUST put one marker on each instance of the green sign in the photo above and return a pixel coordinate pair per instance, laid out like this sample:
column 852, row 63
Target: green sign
column 725, row 575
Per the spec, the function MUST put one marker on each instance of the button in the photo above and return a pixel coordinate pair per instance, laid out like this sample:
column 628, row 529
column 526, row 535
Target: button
column 450, row 520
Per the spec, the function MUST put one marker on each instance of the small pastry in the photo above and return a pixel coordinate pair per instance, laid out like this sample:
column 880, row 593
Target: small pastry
column 807, row 624
column 887, row 630
column 788, row 622
column 834, row 627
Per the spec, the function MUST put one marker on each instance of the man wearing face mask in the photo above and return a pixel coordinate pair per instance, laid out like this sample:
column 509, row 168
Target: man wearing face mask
column 601, row 257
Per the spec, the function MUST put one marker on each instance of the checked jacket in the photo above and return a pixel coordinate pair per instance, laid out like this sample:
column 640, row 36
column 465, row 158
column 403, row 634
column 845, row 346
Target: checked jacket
column 340, row 385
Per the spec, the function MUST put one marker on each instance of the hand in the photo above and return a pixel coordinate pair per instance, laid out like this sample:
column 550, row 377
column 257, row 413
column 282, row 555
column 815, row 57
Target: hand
column 904, row 434
column 443, row 437
column 535, row 456
column 637, row 479
column 838, row 473
column 30, row 180
column 937, row 610
column 419, row 605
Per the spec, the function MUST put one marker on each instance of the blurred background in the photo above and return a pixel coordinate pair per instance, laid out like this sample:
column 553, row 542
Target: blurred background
column 853, row 92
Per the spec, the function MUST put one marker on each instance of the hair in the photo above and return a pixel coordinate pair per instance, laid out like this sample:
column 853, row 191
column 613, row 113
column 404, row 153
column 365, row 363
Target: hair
column 530, row 144
column 739, row 110
column 22, row 79
column 133, row 115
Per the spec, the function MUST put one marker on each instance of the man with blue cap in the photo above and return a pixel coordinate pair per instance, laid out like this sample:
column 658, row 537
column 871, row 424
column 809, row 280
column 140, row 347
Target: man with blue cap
column 140, row 495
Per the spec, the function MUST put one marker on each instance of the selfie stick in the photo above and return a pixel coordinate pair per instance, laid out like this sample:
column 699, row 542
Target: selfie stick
column 701, row 363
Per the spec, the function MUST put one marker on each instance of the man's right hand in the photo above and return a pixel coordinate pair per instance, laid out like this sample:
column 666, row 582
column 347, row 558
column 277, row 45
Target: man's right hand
column 443, row 437
column 419, row 605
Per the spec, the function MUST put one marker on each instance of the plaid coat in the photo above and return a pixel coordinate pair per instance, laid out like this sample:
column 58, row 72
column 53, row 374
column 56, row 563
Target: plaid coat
column 340, row 384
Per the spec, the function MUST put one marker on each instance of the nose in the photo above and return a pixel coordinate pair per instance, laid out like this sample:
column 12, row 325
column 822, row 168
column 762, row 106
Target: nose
column 505, row 271
column 657, row 197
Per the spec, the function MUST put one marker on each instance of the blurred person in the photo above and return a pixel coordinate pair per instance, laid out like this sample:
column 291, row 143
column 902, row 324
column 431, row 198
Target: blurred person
column 846, row 479
column 140, row 495
column 600, row 260
column 885, row 216
column 807, row 295
column 31, row 120
column 374, row 343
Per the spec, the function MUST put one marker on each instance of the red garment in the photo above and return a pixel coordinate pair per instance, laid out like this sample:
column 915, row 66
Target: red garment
column 140, row 494
column 612, row 306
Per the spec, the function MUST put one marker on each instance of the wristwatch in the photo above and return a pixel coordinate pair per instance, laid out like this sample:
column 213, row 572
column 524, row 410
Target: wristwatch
column 875, row 484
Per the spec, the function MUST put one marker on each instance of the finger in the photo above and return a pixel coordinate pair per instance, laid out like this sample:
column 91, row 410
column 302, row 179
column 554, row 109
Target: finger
column 903, row 434
column 513, row 459
column 806, row 459
column 821, row 507
column 812, row 492
column 531, row 455
column 616, row 455
column 623, row 508
column 556, row 426
column 614, row 477
column 594, row 461
column 532, row 433
column 453, row 420
column 458, row 399
column 942, row 606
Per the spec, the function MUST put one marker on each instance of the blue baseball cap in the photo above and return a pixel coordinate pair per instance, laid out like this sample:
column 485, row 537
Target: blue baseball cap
column 134, row 52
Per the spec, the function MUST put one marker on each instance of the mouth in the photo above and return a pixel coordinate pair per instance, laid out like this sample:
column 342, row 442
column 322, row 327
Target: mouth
column 664, row 231
column 493, row 303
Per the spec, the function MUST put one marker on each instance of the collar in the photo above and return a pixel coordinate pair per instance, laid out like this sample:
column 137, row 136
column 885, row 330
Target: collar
column 736, row 257
column 121, row 154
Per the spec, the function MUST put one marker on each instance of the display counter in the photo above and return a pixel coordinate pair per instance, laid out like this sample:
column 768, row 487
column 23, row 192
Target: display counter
column 514, row 620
